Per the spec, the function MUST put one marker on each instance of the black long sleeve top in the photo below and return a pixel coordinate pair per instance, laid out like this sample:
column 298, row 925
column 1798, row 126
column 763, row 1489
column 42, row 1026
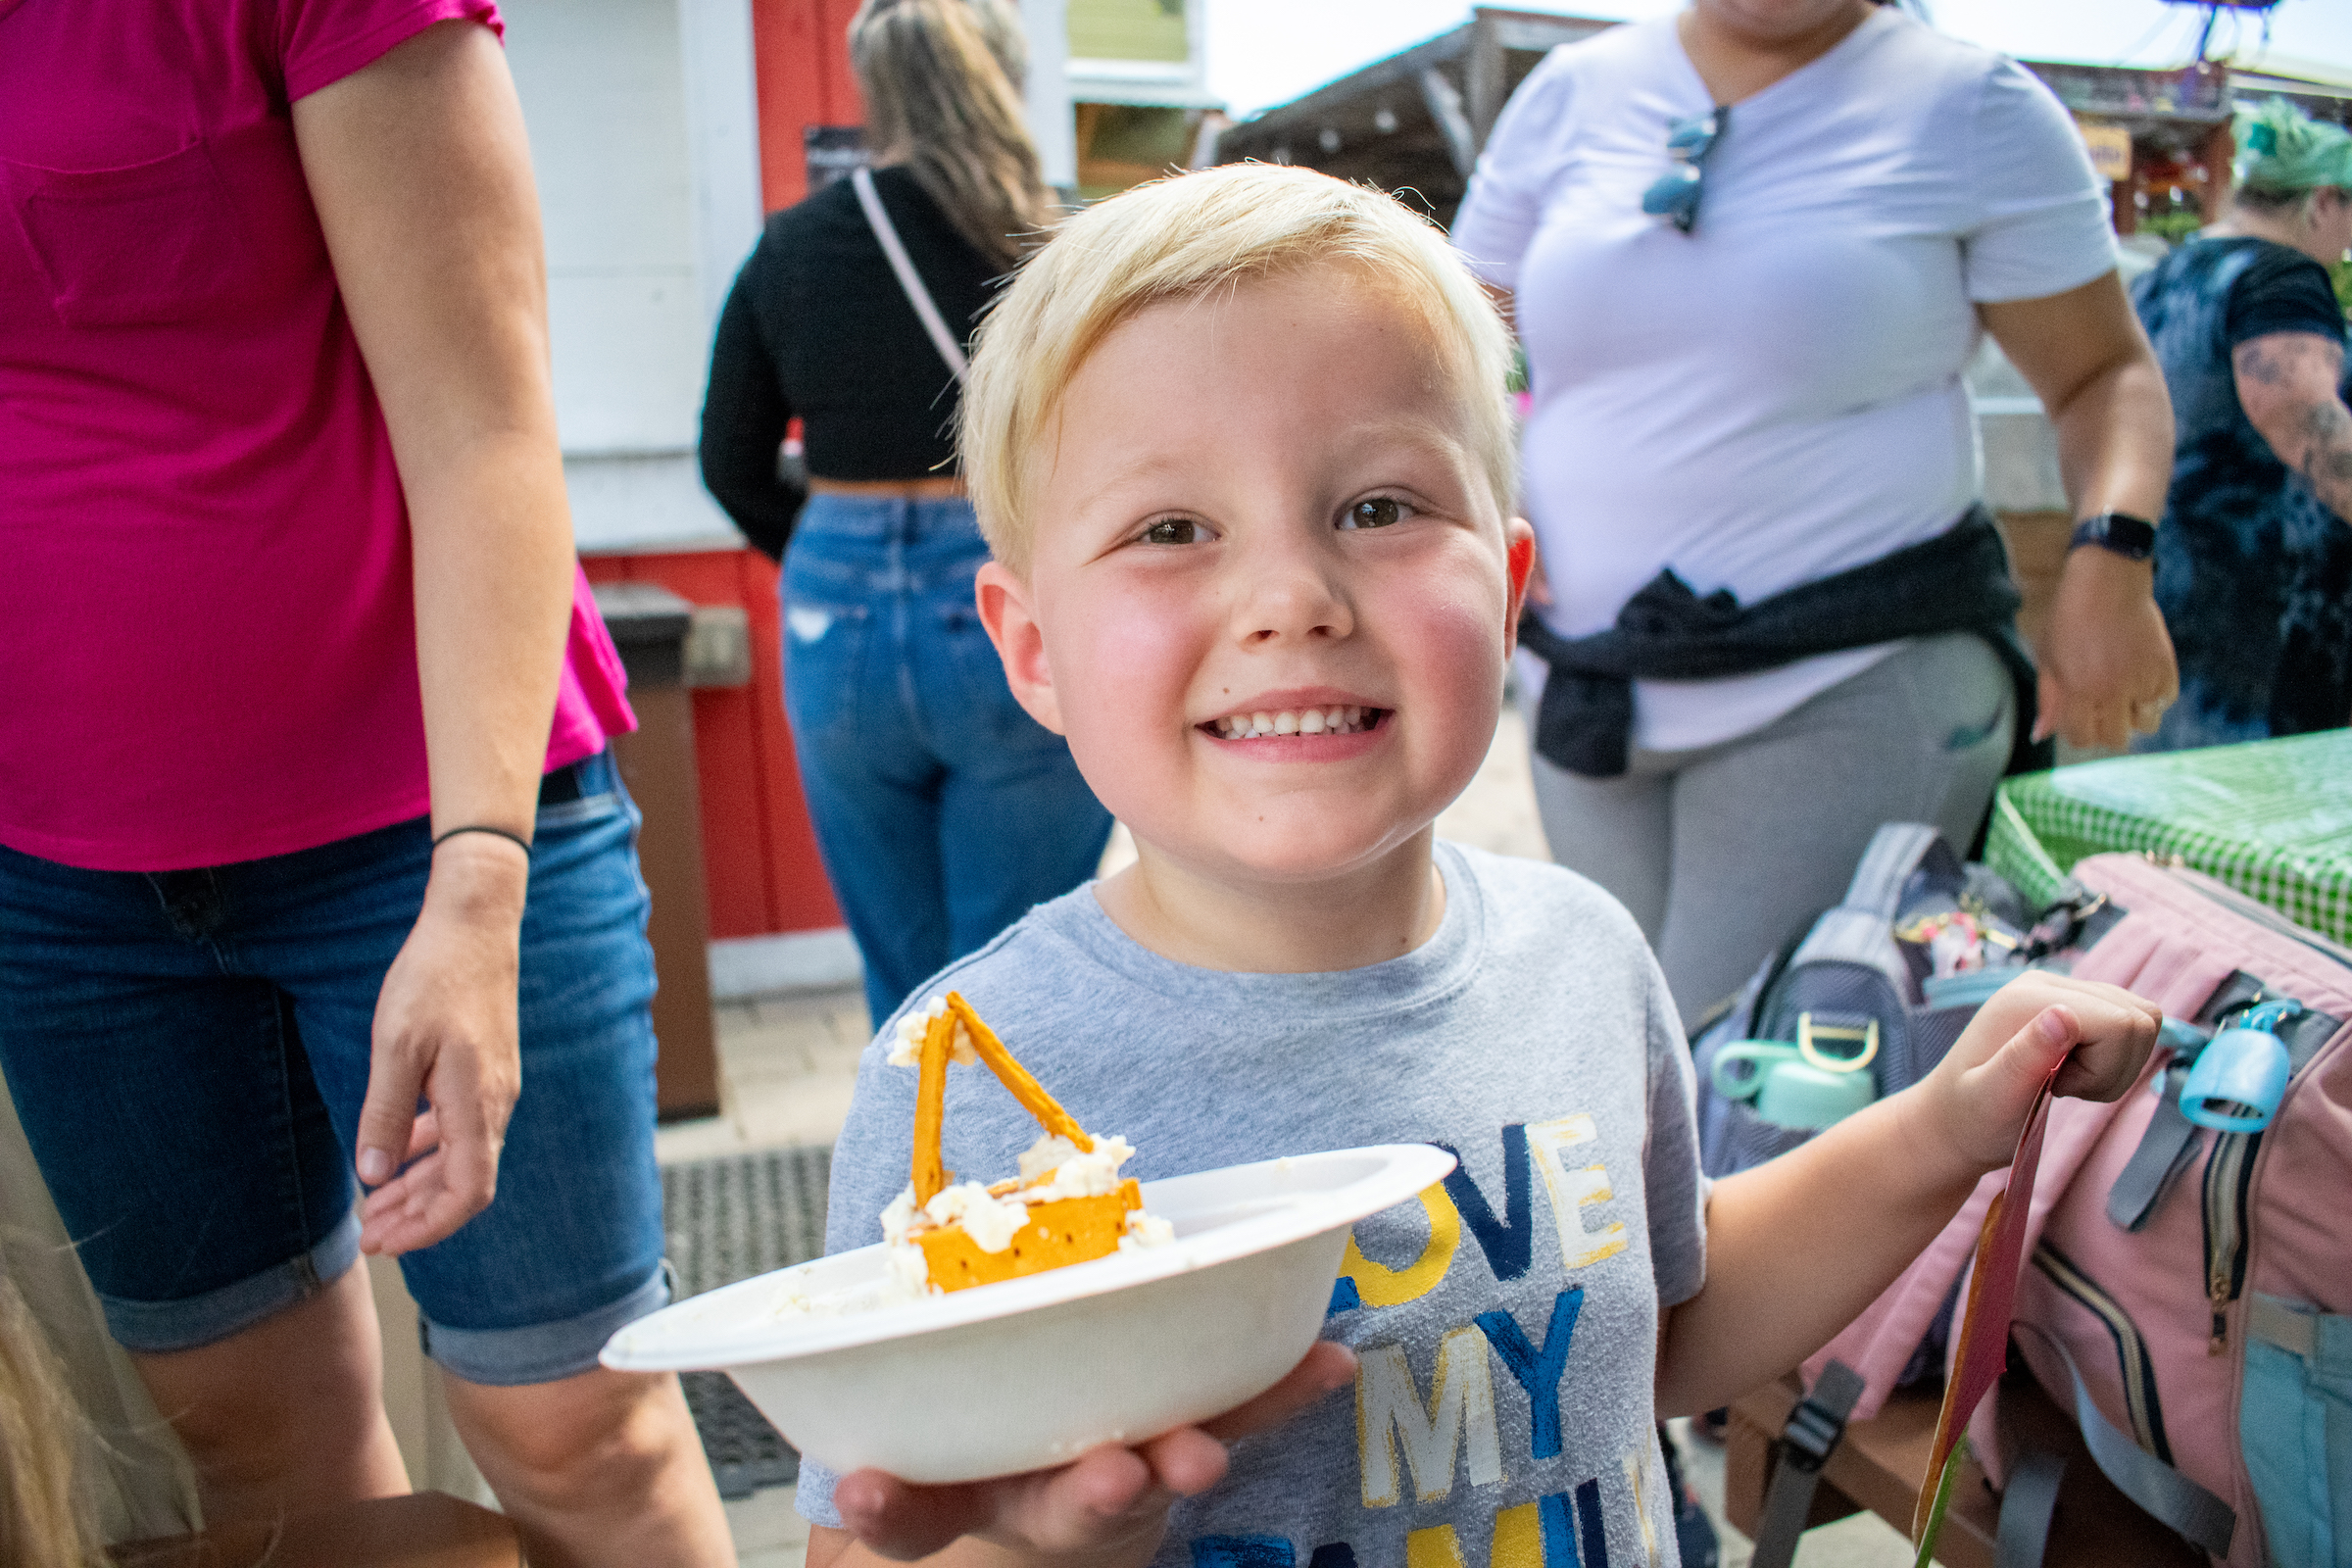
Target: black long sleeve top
column 816, row 327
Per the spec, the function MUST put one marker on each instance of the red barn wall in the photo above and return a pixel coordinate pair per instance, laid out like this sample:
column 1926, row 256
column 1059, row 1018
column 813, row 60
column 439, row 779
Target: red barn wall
column 802, row 56
column 760, row 856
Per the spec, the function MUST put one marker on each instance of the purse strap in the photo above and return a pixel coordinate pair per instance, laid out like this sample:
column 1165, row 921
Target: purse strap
column 878, row 220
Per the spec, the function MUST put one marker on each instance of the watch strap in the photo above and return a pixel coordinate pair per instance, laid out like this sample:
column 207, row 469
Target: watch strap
column 2118, row 532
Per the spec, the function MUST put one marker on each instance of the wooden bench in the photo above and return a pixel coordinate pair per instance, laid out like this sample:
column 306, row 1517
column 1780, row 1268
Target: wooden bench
column 1879, row 1463
column 425, row 1530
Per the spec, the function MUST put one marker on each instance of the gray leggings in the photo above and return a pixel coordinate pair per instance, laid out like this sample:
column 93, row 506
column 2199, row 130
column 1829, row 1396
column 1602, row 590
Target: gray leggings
column 1725, row 852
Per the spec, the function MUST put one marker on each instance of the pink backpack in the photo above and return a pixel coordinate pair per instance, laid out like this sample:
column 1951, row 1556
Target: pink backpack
column 2185, row 1290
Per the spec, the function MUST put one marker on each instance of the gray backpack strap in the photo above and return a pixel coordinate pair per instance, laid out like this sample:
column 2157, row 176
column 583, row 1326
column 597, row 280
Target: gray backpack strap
column 1894, row 853
column 2029, row 1503
column 1814, row 1430
column 861, row 180
column 2164, row 1151
column 2202, row 1519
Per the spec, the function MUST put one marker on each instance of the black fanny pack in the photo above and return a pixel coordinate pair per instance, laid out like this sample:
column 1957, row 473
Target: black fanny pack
column 1956, row 581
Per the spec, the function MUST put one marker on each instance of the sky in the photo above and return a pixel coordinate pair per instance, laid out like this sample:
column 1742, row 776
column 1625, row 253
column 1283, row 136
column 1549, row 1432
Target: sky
column 1266, row 52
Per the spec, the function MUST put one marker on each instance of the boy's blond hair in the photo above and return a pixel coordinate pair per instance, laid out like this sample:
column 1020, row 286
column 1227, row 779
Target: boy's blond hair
column 1184, row 237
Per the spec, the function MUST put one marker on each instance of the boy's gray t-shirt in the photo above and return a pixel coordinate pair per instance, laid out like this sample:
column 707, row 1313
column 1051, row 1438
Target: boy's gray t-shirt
column 1506, row 1324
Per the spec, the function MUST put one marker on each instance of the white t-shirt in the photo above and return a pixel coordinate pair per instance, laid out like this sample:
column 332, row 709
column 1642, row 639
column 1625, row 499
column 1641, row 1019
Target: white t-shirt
column 1776, row 396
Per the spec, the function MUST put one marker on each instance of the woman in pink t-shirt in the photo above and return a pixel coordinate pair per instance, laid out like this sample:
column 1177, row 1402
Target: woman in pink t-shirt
column 313, row 859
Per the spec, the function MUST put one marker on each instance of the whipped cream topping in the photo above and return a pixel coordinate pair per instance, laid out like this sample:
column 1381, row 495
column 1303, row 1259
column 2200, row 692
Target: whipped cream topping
column 899, row 1217
column 990, row 1221
column 1068, row 1173
column 895, row 1289
column 1041, row 1158
column 908, row 1050
column 1145, row 1230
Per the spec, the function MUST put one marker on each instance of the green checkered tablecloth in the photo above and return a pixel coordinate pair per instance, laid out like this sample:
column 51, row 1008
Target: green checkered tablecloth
column 2271, row 818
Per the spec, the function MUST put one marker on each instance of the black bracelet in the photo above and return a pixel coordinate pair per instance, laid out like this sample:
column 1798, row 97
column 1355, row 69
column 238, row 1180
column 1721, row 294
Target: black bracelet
column 483, row 827
column 2117, row 532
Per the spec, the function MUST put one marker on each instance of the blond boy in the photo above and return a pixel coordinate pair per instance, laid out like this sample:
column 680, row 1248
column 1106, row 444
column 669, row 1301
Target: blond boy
column 1240, row 443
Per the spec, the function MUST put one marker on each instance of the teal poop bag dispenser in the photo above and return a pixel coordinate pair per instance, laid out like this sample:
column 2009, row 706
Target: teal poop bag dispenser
column 2239, row 1077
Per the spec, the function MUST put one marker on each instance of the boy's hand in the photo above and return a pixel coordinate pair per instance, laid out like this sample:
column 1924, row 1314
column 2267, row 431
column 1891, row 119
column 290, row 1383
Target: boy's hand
column 1975, row 1102
column 1110, row 1506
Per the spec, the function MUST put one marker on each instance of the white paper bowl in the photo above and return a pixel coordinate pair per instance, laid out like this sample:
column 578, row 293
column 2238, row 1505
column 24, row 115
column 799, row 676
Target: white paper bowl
column 1032, row 1372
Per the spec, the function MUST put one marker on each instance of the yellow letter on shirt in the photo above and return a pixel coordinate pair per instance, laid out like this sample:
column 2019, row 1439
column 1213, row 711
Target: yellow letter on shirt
column 1382, row 1286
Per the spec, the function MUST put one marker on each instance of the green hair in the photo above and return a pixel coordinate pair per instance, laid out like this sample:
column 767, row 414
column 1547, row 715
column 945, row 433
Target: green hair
column 2282, row 152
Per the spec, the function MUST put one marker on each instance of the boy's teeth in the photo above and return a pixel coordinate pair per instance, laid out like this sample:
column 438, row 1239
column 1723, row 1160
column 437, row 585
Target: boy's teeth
column 1337, row 720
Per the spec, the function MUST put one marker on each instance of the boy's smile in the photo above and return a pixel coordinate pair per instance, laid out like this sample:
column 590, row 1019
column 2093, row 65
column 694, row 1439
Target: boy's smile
column 1267, row 599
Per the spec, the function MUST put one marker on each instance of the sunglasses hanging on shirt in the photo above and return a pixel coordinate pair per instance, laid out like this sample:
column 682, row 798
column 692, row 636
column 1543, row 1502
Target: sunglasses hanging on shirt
column 1675, row 195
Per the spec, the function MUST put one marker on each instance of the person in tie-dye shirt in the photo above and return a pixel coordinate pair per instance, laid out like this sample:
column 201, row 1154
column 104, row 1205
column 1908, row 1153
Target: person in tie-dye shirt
column 2254, row 560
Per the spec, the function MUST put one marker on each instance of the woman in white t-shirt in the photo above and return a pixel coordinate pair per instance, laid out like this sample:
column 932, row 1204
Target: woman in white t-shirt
column 1756, row 384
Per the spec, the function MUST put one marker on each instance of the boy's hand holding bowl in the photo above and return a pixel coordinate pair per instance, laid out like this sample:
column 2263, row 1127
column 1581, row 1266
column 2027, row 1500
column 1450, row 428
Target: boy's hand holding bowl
column 1109, row 1507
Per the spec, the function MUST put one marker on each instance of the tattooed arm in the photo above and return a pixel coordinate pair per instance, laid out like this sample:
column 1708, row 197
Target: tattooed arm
column 2286, row 384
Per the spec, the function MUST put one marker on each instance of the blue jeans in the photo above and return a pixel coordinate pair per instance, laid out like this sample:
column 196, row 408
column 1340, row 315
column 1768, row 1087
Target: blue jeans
column 943, row 809
column 188, row 1051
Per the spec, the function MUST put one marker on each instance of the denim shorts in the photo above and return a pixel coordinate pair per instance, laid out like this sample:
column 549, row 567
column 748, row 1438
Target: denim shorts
column 188, row 1051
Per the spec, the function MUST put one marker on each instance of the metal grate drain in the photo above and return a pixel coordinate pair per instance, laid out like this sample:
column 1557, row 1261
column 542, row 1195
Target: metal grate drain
column 729, row 1219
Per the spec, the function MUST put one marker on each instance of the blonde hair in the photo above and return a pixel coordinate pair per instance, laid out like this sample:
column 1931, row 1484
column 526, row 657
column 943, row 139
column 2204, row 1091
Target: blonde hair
column 45, row 1517
column 942, row 81
column 1187, row 236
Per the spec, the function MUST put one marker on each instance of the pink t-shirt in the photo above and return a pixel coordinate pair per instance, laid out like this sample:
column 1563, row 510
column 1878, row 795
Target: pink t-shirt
column 206, row 636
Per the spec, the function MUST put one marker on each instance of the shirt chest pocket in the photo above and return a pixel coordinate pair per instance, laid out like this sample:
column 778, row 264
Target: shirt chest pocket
column 146, row 245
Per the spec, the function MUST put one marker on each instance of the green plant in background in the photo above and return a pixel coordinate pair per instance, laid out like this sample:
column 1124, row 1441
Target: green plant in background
column 2342, row 271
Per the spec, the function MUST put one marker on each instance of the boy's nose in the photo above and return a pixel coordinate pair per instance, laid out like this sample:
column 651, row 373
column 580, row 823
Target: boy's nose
column 1293, row 597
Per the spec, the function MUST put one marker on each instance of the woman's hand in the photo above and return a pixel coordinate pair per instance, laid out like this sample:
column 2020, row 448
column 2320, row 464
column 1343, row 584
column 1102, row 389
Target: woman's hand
column 1975, row 1102
column 2107, row 665
column 445, row 1032
column 1109, row 1507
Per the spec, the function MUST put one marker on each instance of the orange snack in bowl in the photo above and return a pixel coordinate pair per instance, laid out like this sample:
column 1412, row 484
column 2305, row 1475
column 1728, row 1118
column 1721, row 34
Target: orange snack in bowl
column 1066, row 1230
column 1068, row 1205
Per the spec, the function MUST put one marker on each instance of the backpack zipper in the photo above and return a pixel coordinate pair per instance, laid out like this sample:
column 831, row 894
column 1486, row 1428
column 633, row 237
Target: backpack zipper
column 2229, row 1180
column 2262, row 915
column 2137, row 1368
column 2230, row 1167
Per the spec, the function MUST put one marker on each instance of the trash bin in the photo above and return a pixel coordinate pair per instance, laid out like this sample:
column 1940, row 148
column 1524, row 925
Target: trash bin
column 648, row 626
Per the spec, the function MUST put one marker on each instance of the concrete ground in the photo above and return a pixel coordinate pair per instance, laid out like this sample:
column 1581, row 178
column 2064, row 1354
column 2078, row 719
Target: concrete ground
column 787, row 1065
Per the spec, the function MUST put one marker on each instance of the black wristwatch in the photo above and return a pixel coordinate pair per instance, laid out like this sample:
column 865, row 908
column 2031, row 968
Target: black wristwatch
column 2119, row 532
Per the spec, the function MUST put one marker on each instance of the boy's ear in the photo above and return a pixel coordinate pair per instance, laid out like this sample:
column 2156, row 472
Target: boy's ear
column 1519, row 537
column 1007, row 612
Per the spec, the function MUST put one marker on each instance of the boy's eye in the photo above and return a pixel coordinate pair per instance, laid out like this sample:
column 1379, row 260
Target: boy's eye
column 1172, row 531
column 1379, row 512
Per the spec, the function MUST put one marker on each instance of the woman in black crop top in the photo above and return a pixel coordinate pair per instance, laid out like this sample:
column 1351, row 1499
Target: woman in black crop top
column 942, row 810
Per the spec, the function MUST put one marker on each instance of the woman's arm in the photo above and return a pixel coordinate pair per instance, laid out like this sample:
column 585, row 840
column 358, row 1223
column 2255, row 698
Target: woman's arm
column 2286, row 383
column 2106, row 663
column 744, row 418
column 420, row 173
